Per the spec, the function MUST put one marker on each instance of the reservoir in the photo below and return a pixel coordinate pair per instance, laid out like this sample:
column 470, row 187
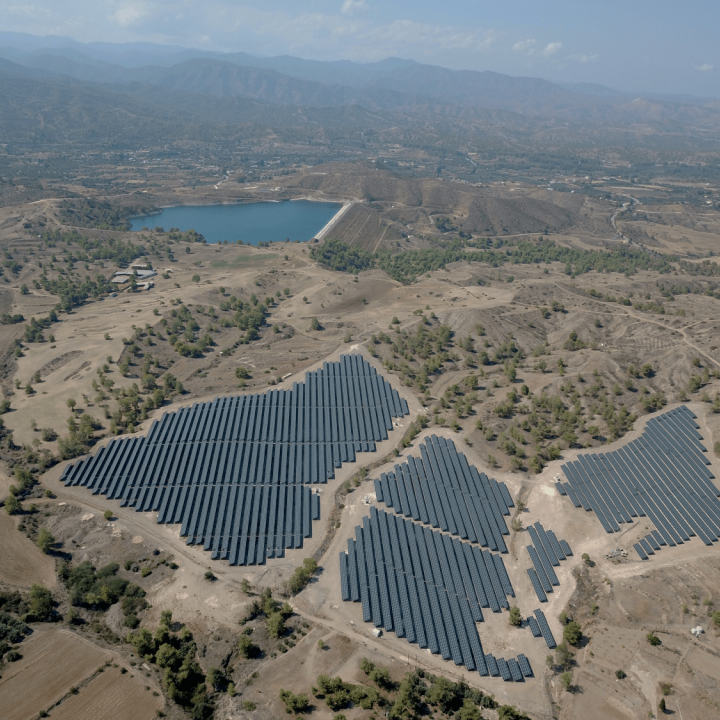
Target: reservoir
column 251, row 223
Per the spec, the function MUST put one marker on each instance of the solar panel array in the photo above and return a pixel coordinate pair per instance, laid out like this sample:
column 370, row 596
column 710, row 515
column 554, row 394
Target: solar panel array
column 234, row 472
column 544, row 629
column 440, row 488
column 546, row 553
column 662, row 475
column 424, row 586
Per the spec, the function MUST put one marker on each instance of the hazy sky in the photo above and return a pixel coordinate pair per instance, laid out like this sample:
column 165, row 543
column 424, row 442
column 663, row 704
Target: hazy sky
column 652, row 45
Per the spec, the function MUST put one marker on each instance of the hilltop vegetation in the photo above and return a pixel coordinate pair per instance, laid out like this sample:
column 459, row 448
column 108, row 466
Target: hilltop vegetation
column 407, row 265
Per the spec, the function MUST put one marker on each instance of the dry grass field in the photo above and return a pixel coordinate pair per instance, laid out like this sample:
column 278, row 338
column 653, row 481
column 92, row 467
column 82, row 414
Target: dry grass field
column 21, row 562
column 53, row 661
column 114, row 695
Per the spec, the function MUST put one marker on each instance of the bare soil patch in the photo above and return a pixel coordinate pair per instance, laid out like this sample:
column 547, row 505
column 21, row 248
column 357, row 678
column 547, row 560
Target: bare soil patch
column 21, row 562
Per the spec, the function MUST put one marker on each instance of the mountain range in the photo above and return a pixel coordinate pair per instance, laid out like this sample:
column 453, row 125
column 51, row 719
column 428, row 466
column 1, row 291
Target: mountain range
column 390, row 85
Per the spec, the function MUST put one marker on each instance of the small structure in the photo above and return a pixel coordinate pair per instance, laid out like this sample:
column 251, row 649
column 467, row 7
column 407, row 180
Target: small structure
column 119, row 279
column 697, row 631
column 377, row 632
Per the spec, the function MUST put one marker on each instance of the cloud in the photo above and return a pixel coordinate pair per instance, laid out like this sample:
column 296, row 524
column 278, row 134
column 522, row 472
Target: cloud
column 130, row 12
column 527, row 46
column 352, row 6
column 584, row 59
column 707, row 67
column 552, row 48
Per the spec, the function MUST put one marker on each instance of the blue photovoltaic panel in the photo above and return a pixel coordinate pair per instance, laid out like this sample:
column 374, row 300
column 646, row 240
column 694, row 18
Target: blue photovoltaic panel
column 524, row 665
column 192, row 461
column 545, row 629
column 440, row 488
column 428, row 581
column 504, row 669
column 640, row 551
column 517, row 674
column 534, row 627
column 662, row 475
column 542, row 597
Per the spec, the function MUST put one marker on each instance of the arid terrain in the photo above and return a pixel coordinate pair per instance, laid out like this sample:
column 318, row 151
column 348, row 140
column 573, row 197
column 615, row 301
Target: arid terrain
column 522, row 356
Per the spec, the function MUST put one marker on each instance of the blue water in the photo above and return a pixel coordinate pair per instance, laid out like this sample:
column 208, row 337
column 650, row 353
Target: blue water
column 296, row 219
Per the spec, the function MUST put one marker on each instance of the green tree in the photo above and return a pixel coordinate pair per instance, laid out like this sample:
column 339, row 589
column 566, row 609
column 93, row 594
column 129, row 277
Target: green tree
column 515, row 617
column 167, row 657
column 12, row 505
column 294, row 703
column 408, row 704
column 510, row 712
column 196, row 278
column 276, row 624
column 661, row 705
column 71, row 403
column 566, row 681
column 41, row 604
column 246, row 647
column 108, row 514
column 652, row 638
column 45, row 540
column 469, row 711
column 572, row 633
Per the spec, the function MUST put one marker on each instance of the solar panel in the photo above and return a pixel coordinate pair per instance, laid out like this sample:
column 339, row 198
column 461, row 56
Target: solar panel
column 515, row 671
column 534, row 627
column 524, row 664
column 545, row 629
column 504, row 669
column 542, row 597
column 640, row 551
column 662, row 475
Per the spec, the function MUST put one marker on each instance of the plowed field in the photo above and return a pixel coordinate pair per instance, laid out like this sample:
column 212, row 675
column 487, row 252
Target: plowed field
column 54, row 660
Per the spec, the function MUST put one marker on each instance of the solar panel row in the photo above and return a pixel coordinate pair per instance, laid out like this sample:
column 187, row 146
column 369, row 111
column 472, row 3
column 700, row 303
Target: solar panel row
column 545, row 629
column 547, row 552
column 231, row 471
column 662, row 475
column 423, row 585
column 440, row 488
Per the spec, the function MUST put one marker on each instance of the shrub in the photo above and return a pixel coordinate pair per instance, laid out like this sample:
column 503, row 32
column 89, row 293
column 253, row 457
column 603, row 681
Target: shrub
column 108, row 514
column 572, row 633
column 294, row 703
column 246, row 647
column 276, row 624
column 515, row 617
column 131, row 621
column 566, row 681
column 652, row 638
column 620, row 674
column 45, row 540
column 302, row 576
column 12, row 505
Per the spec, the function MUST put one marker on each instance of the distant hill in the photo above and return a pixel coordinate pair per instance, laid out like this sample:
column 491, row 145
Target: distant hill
column 392, row 84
